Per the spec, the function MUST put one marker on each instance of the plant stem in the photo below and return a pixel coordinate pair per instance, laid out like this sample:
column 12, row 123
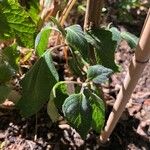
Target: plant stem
column 93, row 14
column 56, row 47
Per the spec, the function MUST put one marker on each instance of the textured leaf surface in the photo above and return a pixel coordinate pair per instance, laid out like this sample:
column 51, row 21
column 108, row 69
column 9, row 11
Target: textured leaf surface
column 36, row 85
column 104, row 45
column 98, row 74
column 98, row 112
column 77, row 111
column 41, row 40
column 4, row 92
column 130, row 38
column 116, row 35
column 11, row 55
column 59, row 93
column 93, row 39
column 6, row 71
column 76, row 39
column 34, row 9
column 16, row 23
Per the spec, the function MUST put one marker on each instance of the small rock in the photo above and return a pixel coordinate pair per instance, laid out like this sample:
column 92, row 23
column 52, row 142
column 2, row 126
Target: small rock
column 64, row 126
column 50, row 135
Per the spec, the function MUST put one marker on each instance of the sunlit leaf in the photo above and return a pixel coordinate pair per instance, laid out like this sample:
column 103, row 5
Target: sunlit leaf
column 98, row 74
column 41, row 40
column 98, row 112
column 76, row 40
column 34, row 10
column 116, row 34
column 16, row 23
column 77, row 111
column 105, row 45
column 130, row 38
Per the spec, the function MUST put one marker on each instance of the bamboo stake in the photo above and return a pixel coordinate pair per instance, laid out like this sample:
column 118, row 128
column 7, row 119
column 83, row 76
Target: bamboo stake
column 93, row 20
column 138, row 63
column 93, row 14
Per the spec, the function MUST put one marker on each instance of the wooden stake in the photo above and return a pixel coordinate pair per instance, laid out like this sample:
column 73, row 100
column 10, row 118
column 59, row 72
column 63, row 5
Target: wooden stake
column 93, row 20
column 137, row 65
column 93, row 14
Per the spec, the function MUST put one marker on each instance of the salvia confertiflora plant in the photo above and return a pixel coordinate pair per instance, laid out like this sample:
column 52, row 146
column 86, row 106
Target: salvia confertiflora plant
column 91, row 62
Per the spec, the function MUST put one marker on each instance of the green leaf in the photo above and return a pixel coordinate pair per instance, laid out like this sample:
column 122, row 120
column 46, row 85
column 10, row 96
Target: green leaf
column 59, row 93
column 41, row 40
column 4, row 92
column 98, row 112
column 60, row 28
column 37, row 84
column 11, row 55
column 130, row 38
column 93, row 39
column 6, row 71
column 74, row 67
column 52, row 111
column 77, row 111
column 98, row 74
column 34, row 10
column 105, row 46
column 76, row 64
column 116, row 35
column 16, row 23
column 76, row 40
column 32, row 7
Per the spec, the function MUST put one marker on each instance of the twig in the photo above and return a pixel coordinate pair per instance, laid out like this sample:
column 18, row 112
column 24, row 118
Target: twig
column 66, row 11
column 57, row 47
